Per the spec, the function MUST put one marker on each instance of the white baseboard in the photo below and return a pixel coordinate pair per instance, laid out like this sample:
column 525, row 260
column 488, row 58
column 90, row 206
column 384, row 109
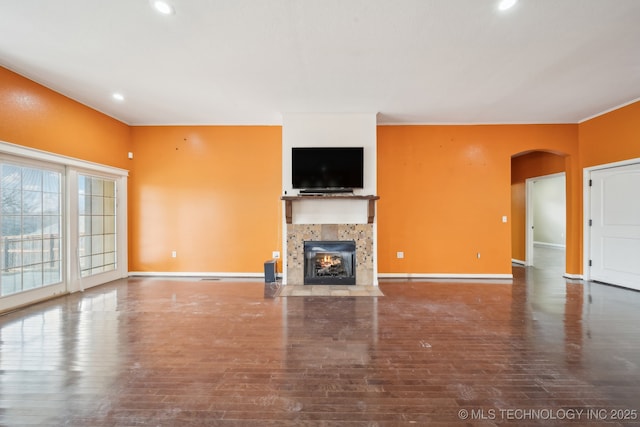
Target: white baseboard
column 193, row 274
column 239, row 275
column 517, row 261
column 549, row 245
column 443, row 276
column 573, row 276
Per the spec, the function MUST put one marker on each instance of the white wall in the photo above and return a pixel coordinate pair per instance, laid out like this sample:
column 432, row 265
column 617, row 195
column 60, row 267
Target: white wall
column 330, row 130
column 549, row 210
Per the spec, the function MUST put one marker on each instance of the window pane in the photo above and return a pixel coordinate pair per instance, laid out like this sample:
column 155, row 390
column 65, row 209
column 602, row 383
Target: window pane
column 84, row 225
column 97, row 225
column 32, row 179
column 52, row 273
column 84, row 205
column 52, row 250
column 11, row 281
column 32, row 277
column 51, row 203
column 110, row 224
column 110, row 259
column 110, row 189
column 11, row 253
column 85, row 263
column 109, row 206
column 83, row 188
column 85, row 245
column 11, row 201
column 11, row 226
column 98, row 270
column 97, row 244
column 31, row 252
column 97, row 261
column 97, row 187
column 97, row 205
column 110, row 243
column 32, row 202
column 51, row 225
column 11, row 177
column 51, row 182
column 31, row 225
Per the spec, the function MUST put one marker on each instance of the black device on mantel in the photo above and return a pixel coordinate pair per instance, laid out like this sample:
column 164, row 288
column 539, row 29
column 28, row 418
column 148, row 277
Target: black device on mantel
column 327, row 169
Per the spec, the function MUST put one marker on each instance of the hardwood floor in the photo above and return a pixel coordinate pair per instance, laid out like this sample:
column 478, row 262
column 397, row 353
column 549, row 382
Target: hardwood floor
column 169, row 352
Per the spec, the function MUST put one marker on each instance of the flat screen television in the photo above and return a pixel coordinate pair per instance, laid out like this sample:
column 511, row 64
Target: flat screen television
column 327, row 168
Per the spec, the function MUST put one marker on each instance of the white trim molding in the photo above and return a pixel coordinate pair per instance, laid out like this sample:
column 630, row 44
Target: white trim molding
column 194, row 274
column 550, row 245
column 602, row 113
column 443, row 276
column 45, row 156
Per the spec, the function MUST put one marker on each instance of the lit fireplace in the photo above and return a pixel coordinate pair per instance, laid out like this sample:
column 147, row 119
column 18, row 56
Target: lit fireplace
column 329, row 262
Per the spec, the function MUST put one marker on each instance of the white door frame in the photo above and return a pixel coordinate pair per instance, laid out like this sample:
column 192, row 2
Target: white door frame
column 586, row 205
column 528, row 256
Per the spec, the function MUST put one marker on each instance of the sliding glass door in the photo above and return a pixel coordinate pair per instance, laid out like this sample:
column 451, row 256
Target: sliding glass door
column 31, row 236
column 97, row 225
column 62, row 225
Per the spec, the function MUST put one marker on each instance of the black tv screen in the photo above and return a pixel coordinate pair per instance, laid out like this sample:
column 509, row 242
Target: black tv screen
column 317, row 168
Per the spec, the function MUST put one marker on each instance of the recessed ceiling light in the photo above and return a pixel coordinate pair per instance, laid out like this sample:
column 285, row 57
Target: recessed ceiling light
column 118, row 97
column 162, row 7
column 506, row 4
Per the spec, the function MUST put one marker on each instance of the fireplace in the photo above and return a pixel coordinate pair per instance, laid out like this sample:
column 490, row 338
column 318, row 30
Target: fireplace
column 329, row 262
column 298, row 234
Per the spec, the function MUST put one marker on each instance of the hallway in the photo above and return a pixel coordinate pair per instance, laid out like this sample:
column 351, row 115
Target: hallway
column 190, row 352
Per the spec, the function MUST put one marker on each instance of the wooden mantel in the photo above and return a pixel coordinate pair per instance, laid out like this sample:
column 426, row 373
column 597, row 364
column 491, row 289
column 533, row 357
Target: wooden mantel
column 288, row 203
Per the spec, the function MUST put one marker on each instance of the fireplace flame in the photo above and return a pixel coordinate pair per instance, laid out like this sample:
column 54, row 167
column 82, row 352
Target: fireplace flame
column 328, row 260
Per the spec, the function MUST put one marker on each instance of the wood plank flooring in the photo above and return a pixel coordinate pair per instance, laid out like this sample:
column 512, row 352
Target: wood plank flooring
column 168, row 352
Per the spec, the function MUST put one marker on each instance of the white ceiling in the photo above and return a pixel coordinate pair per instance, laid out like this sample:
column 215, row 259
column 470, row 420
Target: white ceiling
column 250, row 61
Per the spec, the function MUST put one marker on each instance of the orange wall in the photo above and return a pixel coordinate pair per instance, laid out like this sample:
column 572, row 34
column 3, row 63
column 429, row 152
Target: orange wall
column 536, row 163
column 523, row 167
column 612, row 137
column 34, row 116
column 444, row 189
column 211, row 193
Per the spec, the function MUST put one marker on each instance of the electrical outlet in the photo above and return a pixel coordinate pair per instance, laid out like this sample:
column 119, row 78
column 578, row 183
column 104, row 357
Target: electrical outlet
column 478, row 255
column 399, row 255
column 275, row 254
column 504, row 218
column 174, row 254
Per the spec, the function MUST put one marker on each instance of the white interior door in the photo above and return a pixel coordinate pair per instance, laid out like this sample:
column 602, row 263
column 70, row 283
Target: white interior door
column 615, row 226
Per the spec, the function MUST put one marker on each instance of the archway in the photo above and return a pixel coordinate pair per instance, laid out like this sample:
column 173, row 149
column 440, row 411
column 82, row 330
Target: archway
column 524, row 167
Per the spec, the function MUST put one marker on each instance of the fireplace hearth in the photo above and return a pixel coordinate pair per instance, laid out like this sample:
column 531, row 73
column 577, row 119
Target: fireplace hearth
column 329, row 262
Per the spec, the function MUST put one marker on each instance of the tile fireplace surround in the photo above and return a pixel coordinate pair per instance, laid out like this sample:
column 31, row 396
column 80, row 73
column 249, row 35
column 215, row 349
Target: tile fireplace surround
column 361, row 233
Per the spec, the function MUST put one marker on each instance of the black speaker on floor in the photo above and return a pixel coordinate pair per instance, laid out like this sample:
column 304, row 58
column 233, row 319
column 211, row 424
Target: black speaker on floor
column 270, row 271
